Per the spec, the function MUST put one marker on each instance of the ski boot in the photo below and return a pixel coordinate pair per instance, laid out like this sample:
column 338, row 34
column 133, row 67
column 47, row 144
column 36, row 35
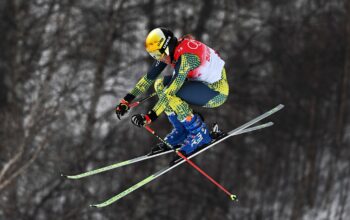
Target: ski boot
column 179, row 133
column 198, row 137
column 175, row 138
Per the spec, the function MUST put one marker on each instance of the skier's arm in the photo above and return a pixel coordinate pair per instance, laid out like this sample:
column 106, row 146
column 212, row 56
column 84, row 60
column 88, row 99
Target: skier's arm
column 146, row 81
column 186, row 63
column 141, row 86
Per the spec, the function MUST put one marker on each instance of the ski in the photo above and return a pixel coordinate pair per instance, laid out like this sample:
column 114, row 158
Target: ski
column 167, row 169
column 146, row 157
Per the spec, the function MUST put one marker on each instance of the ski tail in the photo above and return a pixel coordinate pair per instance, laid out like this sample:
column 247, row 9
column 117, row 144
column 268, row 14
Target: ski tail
column 114, row 166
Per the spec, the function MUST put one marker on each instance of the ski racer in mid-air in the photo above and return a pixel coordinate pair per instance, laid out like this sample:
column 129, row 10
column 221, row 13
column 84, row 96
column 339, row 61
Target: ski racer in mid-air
column 199, row 78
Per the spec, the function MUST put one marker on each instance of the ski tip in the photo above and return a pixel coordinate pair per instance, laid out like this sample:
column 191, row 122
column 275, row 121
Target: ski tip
column 67, row 176
column 269, row 124
column 97, row 206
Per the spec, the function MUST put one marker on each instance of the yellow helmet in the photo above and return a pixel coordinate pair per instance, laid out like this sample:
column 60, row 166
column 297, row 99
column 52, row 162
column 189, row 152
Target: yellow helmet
column 159, row 42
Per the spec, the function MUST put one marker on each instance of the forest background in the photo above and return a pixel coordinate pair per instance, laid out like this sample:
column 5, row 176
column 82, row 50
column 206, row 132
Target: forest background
column 65, row 64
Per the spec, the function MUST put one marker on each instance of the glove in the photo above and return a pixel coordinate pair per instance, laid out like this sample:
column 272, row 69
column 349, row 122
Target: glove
column 122, row 108
column 141, row 120
column 124, row 105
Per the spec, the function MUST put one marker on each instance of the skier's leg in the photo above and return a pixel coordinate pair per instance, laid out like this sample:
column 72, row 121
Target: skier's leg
column 205, row 95
column 200, row 94
column 178, row 133
column 196, row 93
column 197, row 133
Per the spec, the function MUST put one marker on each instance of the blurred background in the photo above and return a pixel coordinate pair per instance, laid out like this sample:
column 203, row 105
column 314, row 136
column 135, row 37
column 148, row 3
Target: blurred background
column 65, row 64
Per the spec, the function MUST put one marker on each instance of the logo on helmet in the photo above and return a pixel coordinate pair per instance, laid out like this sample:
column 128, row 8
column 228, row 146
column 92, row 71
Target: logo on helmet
column 166, row 42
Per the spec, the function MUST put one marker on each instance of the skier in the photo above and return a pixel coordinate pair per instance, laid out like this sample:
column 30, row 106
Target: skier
column 199, row 78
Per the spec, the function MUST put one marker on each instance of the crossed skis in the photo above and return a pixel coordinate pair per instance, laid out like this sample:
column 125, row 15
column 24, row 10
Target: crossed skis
column 240, row 130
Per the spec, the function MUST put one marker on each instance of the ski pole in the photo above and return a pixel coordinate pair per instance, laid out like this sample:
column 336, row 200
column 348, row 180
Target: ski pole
column 232, row 196
column 134, row 104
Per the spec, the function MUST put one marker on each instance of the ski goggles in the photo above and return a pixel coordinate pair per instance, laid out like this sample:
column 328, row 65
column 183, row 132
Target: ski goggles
column 156, row 54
